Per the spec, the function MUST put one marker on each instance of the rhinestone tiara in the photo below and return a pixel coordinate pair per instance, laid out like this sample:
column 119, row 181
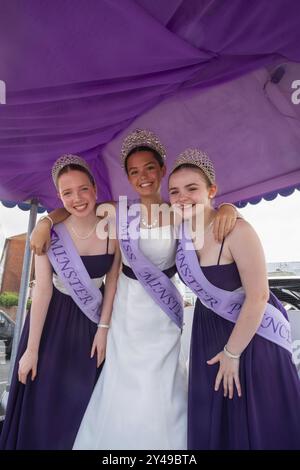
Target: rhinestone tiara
column 66, row 160
column 141, row 137
column 198, row 158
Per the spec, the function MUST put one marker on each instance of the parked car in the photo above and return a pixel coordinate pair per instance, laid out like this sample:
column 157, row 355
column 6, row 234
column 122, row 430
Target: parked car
column 7, row 328
column 287, row 290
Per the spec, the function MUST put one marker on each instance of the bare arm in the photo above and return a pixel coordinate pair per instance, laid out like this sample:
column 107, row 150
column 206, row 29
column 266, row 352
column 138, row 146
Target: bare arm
column 40, row 303
column 100, row 340
column 247, row 252
column 40, row 237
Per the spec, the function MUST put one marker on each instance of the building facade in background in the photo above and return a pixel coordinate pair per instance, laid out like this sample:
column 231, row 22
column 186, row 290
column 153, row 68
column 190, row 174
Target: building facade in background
column 11, row 263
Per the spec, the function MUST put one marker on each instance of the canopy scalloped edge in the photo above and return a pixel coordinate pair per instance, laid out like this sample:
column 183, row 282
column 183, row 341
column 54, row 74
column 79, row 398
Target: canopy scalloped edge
column 270, row 196
column 24, row 206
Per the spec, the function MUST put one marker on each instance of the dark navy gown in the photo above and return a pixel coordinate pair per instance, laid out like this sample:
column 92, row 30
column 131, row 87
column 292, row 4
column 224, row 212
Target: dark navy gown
column 268, row 414
column 46, row 413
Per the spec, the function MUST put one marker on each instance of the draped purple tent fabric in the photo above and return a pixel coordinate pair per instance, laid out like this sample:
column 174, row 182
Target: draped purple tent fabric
column 80, row 74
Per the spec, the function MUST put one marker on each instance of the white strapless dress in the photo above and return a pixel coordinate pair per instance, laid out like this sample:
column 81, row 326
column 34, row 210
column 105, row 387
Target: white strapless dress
column 140, row 399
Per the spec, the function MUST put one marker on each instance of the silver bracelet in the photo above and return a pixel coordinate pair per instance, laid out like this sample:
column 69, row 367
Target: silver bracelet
column 48, row 218
column 102, row 325
column 229, row 354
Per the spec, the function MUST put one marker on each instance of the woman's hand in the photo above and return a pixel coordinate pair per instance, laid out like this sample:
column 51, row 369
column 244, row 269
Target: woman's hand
column 40, row 238
column 99, row 345
column 224, row 221
column 228, row 372
column 27, row 364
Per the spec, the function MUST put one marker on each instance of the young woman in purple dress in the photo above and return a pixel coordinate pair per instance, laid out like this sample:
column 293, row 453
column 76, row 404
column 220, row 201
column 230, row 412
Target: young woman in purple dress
column 61, row 348
column 244, row 391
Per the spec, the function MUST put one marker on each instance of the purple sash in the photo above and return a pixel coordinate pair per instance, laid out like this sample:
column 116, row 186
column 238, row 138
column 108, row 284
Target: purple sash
column 72, row 272
column 155, row 282
column 274, row 326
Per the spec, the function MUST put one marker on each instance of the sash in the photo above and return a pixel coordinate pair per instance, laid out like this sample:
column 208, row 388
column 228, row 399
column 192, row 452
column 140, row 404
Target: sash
column 274, row 326
column 73, row 274
column 154, row 281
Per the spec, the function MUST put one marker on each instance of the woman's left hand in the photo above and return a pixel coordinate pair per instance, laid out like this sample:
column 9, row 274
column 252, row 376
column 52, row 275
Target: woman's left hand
column 99, row 345
column 224, row 222
column 228, row 372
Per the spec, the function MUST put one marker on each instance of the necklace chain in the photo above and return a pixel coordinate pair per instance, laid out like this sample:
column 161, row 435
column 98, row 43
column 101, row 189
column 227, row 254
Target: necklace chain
column 84, row 237
column 149, row 225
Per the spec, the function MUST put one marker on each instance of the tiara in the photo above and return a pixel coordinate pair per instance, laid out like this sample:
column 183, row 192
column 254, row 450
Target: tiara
column 66, row 160
column 141, row 137
column 198, row 158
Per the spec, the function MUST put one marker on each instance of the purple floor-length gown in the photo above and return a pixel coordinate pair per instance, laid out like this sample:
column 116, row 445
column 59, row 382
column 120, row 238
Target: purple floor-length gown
column 46, row 413
column 268, row 414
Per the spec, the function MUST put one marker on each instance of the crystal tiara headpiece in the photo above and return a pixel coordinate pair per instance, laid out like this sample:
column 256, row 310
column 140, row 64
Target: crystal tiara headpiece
column 198, row 158
column 139, row 138
column 66, row 160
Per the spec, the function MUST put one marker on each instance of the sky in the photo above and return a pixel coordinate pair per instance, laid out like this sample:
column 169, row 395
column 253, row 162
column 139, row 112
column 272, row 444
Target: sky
column 276, row 222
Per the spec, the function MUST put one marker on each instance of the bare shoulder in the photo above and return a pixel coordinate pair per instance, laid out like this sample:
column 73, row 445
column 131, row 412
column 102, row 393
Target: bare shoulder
column 242, row 230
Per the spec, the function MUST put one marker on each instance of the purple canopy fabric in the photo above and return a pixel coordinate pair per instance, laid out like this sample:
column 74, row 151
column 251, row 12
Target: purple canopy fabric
column 80, row 74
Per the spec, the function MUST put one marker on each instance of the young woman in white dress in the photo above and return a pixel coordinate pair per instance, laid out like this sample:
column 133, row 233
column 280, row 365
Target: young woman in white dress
column 140, row 399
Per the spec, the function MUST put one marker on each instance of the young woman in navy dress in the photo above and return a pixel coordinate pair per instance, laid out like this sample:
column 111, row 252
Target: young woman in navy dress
column 61, row 348
column 244, row 391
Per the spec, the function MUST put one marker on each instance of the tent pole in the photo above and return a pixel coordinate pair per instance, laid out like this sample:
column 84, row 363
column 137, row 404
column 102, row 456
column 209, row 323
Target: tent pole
column 21, row 311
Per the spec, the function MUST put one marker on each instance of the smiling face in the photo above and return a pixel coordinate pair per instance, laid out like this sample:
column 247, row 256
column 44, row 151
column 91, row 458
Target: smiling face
column 145, row 173
column 77, row 192
column 189, row 186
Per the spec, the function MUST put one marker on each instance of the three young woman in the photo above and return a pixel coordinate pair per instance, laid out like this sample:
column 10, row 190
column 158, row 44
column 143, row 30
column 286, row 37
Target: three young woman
column 244, row 390
column 140, row 399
